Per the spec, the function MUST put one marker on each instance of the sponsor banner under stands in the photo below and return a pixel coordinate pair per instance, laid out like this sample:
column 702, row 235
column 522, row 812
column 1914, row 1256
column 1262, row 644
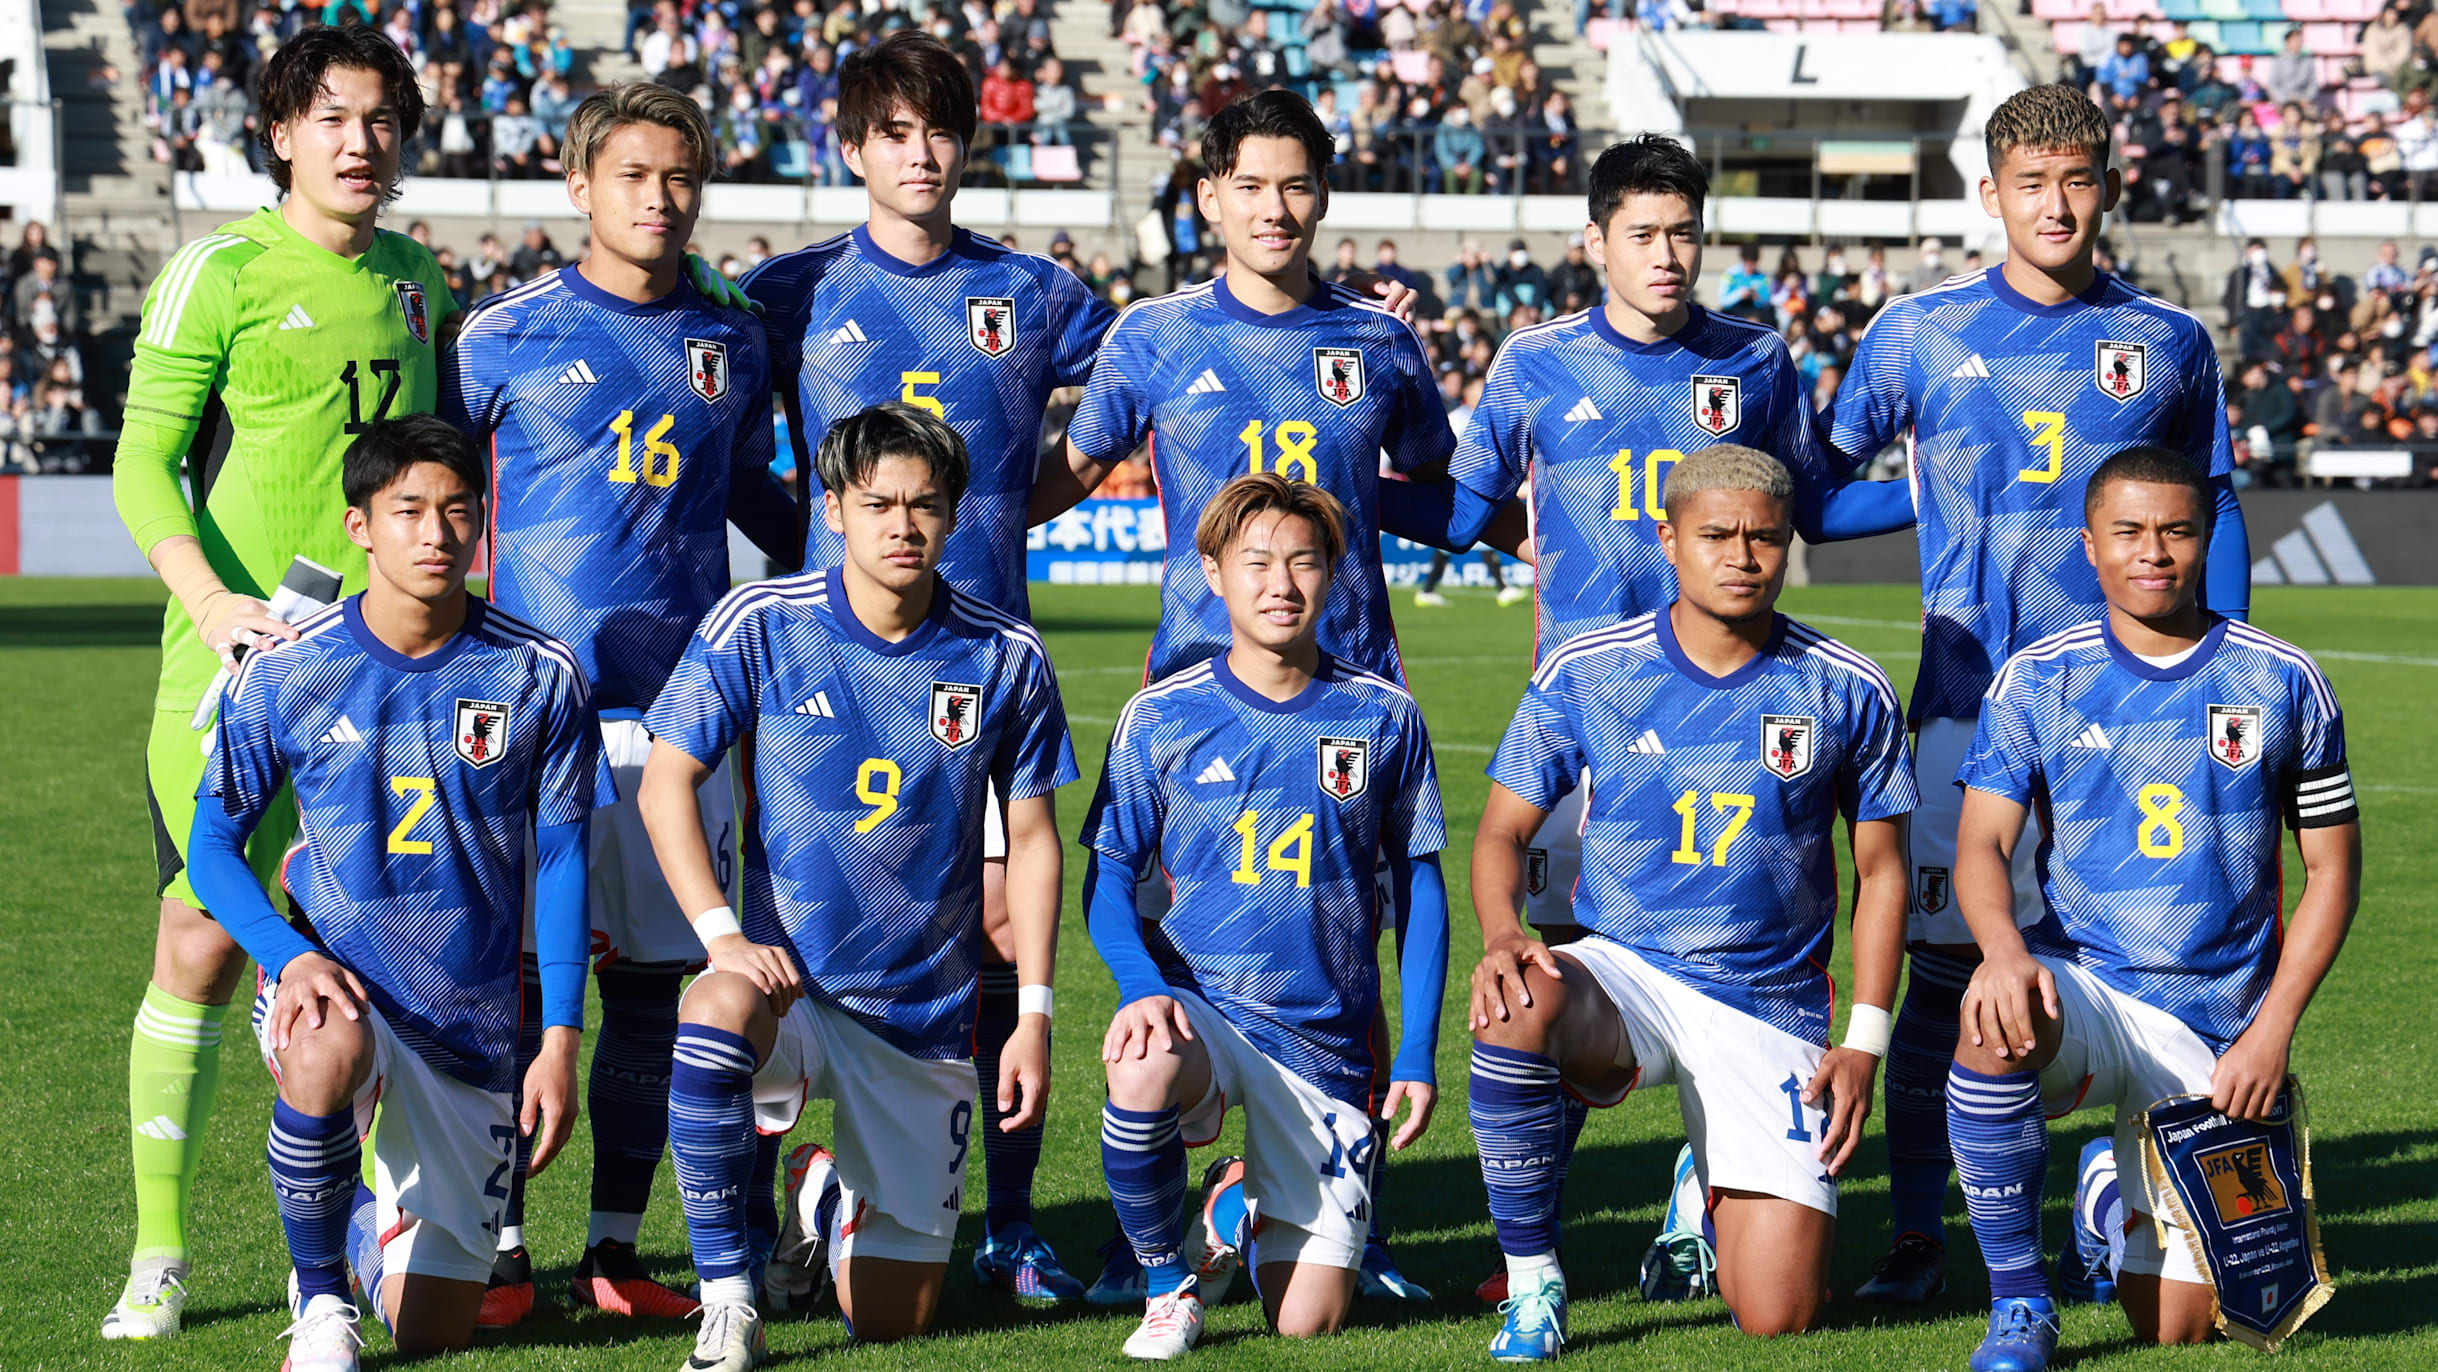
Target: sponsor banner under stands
column 1123, row 542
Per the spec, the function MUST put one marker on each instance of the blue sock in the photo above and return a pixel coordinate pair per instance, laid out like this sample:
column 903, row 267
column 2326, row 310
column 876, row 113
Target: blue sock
column 762, row 1198
column 1008, row 1160
column 1919, row 1054
column 364, row 1249
column 2103, row 1215
column 2001, row 1155
column 1229, row 1214
column 1143, row 1156
column 1378, row 1233
column 712, row 1137
column 1577, row 1115
column 314, row 1164
column 528, row 1048
column 1519, row 1127
column 628, row 1092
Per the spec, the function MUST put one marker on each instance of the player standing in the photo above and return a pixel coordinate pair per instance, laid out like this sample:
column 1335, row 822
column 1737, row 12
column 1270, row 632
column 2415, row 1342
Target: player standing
column 885, row 706
column 265, row 346
column 910, row 307
column 1264, row 784
column 2010, row 385
column 1727, row 740
column 429, row 737
column 628, row 420
column 2164, row 744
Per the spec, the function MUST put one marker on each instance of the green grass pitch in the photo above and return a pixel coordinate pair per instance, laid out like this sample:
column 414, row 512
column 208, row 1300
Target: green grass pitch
column 77, row 662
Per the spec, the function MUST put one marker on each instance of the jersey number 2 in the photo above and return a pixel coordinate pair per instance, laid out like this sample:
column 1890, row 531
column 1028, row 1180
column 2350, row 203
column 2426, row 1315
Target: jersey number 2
column 426, row 793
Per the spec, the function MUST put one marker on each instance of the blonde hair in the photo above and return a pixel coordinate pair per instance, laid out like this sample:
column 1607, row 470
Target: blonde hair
column 612, row 108
column 1240, row 501
column 2052, row 118
column 1726, row 467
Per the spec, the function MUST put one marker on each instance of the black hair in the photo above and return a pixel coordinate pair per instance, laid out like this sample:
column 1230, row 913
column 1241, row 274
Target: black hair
column 1271, row 114
column 1649, row 164
column 382, row 453
column 910, row 68
column 300, row 70
column 2152, row 466
column 857, row 444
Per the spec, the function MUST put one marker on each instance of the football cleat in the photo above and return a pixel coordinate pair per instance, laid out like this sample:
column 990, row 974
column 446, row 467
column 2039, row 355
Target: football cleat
column 730, row 1340
column 1121, row 1280
column 1680, row 1264
column 1379, row 1279
column 509, row 1299
column 1430, row 600
column 1022, row 1263
column 325, row 1337
column 799, row 1267
column 1535, row 1325
column 1509, row 595
column 2085, row 1271
column 1208, row 1255
column 151, row 1303
column 1172, row 1325
column 2022, row 1336
column 1914, row 1271
column 611, row 1278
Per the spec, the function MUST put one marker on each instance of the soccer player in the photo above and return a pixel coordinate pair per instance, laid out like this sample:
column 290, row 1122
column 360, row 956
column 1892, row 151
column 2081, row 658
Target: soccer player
column 2010, row 384
column 885, row 706
column 429, row 737
column 2165, row 744
column 910, row 307
column 628, row 420
column 1726, row 740
column 265, row 347
column 1264, row 784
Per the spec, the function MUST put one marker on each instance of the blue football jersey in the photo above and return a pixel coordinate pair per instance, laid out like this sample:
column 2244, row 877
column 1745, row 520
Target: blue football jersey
column 2160, row 792
column 1708, row 835
column 872, row 761
column 1269, row 818
column 419, row 782
column 2010, row 406
column 1317, row 394
column 617, row 432
column 1594, row 420
column 979, row 335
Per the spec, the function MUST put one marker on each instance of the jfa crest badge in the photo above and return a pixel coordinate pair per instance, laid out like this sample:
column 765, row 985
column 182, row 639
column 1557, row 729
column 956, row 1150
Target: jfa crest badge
column 990, row 324
column 1930, row 889
column 707, row 367
column 1786, row 744
column 1718, row 403
column 2234, row 735
column 2122, row 369
column 1536, row 870
column 410, row 304
column 1345, row 766
column 955, row 711
column 481, row 734
column 1338, row 374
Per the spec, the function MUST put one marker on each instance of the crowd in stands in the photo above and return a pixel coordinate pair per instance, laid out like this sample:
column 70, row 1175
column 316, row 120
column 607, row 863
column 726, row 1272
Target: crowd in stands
column 43, row 414
column 2326, row 360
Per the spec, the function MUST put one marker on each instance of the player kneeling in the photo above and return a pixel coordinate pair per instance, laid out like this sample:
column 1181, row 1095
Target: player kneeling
column 884, row 706
column 426, row 734
column 1727, row 740
column 2163, row 745
column 1262, row 783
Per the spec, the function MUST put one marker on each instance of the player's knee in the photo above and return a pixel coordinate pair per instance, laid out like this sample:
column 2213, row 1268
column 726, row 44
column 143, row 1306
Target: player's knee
column 1145, row 1083
column 194, row 959
column 1779, row 1313
column 1310, row 1324
column 321, row 1066
column 723, row 1000
column 1983, row 1057
column 1531, row 1022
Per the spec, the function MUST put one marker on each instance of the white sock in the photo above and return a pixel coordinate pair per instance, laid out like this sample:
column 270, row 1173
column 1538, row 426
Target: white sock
column 608, row 1226
column 511, row 1236
column 737, row 1290
column 1526, row 1274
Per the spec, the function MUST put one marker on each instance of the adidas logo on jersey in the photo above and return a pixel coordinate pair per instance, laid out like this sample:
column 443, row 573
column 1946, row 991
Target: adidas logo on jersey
column 1216, row 772
column 1971, row 367
column 296, row 318
column 1648, row 743
column 818, row 706
column 161, row 1127
column 849, row 332
column 344, row 731
column 579, row 374
column 1206, row 383
column 1583, row 410
column 2093, row 737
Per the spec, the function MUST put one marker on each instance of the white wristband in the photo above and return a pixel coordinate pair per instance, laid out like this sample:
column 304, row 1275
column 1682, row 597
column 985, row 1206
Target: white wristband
column 717, row 922
column 1033, row 1000
column 1868, row 1030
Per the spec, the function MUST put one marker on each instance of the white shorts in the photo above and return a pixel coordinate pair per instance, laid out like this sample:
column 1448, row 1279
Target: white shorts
column 904, row 1126
column 1556, row 859
column 1749, row 1131
column 1307, row 1156
column 2122, row 1052
column 440, row 1157
column 635, row 918
column 1938, row 753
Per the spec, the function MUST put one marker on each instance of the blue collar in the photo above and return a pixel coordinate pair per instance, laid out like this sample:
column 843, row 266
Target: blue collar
column 575, row 284
column 1230, row 683
column 843, row 615
column 2093, row 294
column 1312, row 308
column 390, row 657
column 2193, row 661
column 1694, row 672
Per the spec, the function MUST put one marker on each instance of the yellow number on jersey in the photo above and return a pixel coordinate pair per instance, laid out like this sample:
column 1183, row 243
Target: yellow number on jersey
column 2048, row 432
column 426, row 792
column 2162, row 833
column 906, row 384
column 1291, row 851
column 1654, row 478
column 1295, row 439
column 1737, row 808
column 659, row 456
column 876, row 783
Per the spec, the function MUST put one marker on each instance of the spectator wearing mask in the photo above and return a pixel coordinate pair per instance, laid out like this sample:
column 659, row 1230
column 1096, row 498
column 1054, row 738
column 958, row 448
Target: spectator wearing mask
column 1458, row 151
column 1574, row 283
column 1520, row 281
column 1933, row 268
column 1508, row 136
column 2253, row 289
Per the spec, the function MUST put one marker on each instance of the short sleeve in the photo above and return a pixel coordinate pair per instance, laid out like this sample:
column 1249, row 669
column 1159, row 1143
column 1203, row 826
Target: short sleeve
column 246, row 768
column 1874, row 404
column 1494, row 454
column 1794, row 434
column 1116, row 409
column 1079, row 321
column 713, row 693
column 471, row 383
column 2004, row 758
column 780, row 286
column 1417, row 436
column 1128, row 809
column 1035, row 758
column 1878, row 779
column 571, row 780
column 1414, row 825
column 1539, row 759
column 2319, row 789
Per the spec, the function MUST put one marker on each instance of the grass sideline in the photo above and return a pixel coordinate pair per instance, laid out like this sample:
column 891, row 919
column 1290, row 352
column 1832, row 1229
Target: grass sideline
column 77, row 663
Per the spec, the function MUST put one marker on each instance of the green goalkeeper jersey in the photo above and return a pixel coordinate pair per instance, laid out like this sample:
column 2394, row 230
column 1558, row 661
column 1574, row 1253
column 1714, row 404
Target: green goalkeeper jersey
column 262, row 354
